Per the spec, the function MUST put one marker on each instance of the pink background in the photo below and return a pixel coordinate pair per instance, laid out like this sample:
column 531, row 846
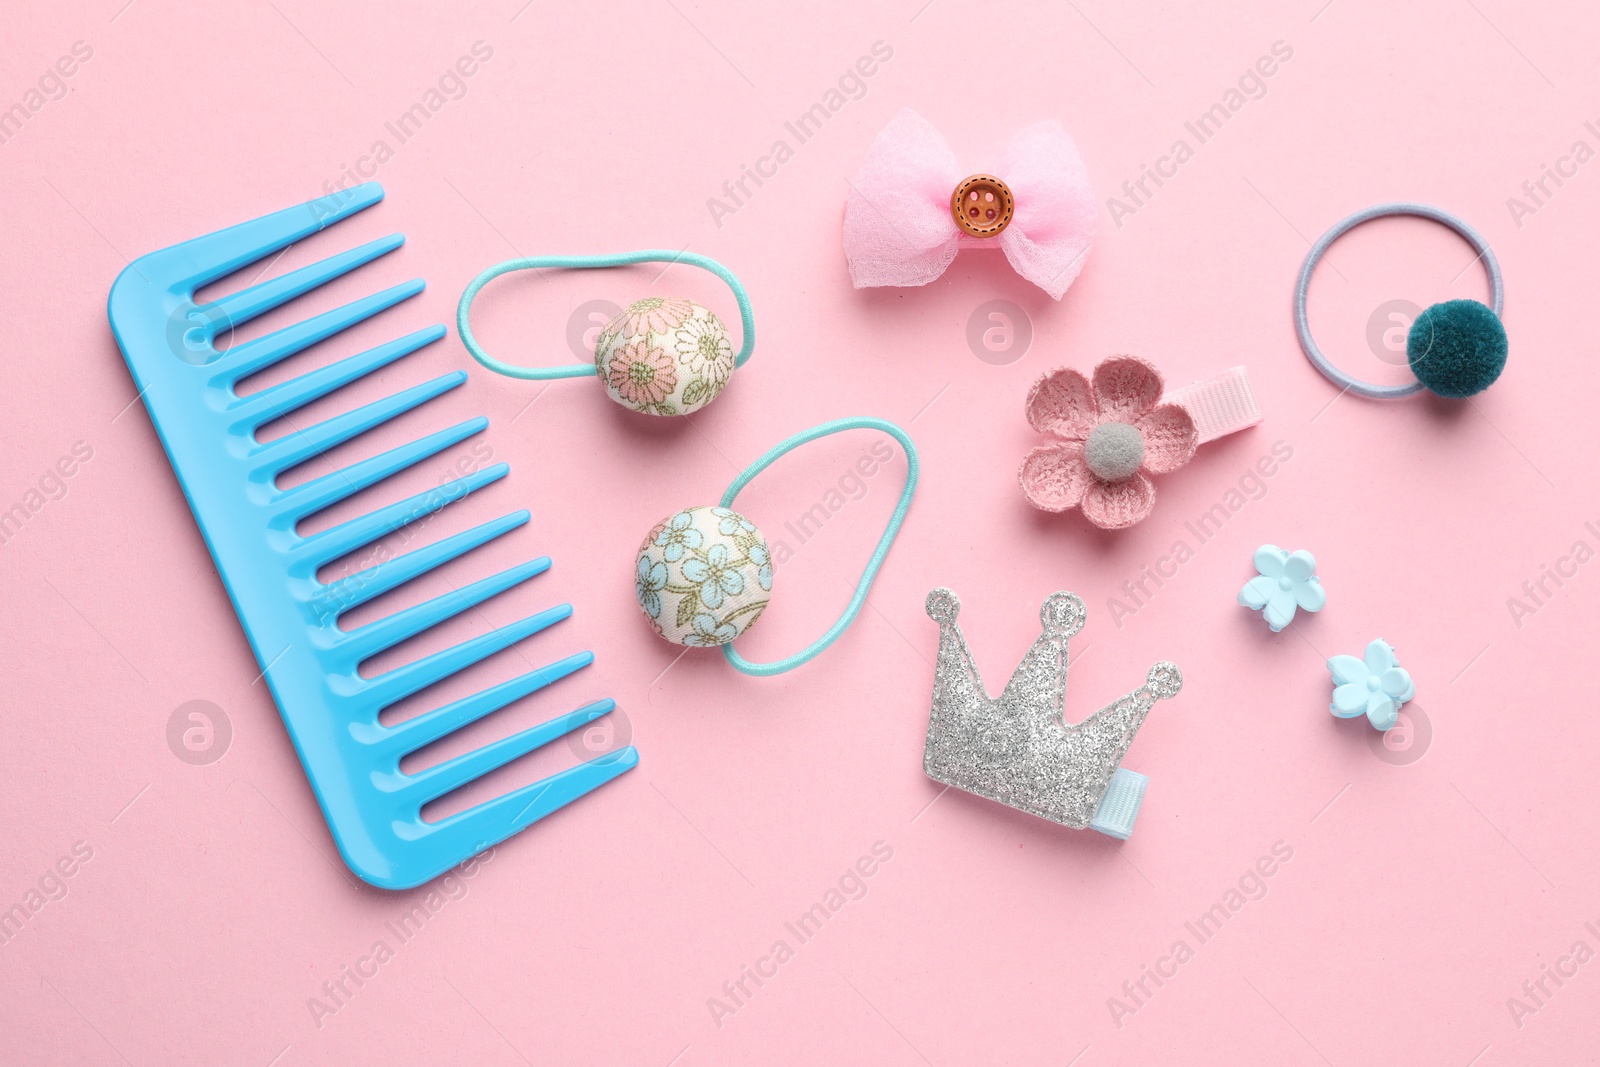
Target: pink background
column 1422, row 893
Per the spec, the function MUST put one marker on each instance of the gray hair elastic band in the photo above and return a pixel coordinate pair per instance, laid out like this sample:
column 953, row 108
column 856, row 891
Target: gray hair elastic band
column 1303, row 327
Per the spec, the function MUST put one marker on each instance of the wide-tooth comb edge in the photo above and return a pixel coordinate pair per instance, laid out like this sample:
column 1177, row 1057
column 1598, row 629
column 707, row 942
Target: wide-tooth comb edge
column 396, row 685
column 367, row 641
column 299, row 445
column 496, row 819
column 307, row 499
column 241, row 361
column 356, row 589
column 202, row 260
column 327, row 546
column 236, row 309
column 287, row 397
column 436, row 781
column 425, row 729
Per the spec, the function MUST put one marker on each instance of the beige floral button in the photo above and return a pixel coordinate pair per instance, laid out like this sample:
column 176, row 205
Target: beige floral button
column 703, row 576
column 664, row 356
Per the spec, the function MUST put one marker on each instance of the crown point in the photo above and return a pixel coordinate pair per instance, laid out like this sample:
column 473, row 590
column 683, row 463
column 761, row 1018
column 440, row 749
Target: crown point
column 1165, row 680
column 943, row 606
column 1062, row 614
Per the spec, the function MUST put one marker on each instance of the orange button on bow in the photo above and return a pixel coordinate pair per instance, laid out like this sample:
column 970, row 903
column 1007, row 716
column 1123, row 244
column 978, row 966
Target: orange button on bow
column 982, row 205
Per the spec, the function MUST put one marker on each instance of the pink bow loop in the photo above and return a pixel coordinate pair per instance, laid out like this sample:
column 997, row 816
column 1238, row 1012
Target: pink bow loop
column 898, row 229
column 1048, row 240
column 897, row 224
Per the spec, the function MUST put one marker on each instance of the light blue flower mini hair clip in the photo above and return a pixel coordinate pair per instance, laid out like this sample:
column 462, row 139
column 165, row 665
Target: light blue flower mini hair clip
column 1374, row 685
column 1285, row 581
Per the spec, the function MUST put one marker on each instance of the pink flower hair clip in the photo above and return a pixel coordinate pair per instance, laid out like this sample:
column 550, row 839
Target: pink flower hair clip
column 910, row 209
column 1114, row 432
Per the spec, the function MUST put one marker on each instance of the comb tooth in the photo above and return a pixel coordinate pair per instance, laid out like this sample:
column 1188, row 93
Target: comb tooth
column 334, row 542
column 239, row 308
column 313, row 496
column 493, row 821
column 374, row 637
column 244, row 360
column 298, row 392
column 216, row 255
column 430, row 726
column 361, row 587
column 301, row 445
column 415, row 677
column 436, row 781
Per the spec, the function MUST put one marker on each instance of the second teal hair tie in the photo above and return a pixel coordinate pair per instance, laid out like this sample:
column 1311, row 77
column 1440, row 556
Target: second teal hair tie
column 659, row 355
column 704, row 574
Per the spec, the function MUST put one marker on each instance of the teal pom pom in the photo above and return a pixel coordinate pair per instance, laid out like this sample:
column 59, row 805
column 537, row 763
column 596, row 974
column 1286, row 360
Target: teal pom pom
column 1457, row 348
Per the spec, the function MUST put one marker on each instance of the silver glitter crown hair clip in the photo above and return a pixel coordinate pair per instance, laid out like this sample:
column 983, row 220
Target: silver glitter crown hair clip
column 1019, row 749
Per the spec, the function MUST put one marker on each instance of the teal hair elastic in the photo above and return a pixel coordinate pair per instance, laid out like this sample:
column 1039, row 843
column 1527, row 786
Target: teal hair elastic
column 660, row 355
column 704, row 574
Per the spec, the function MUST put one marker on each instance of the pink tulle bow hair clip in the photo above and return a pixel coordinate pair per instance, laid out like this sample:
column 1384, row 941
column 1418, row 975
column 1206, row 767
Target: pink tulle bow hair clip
column 910, row 207
column 1114, row 431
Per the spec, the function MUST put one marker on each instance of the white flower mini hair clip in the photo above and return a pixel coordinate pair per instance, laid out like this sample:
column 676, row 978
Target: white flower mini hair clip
column 1284, row 581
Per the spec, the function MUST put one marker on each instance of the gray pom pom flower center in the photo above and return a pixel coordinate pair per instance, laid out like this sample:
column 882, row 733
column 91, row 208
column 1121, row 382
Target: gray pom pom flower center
column 1114, row 451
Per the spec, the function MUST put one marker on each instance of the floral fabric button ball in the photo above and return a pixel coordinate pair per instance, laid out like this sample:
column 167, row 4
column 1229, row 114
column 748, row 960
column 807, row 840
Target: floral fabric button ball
column 703, row 576
column 664, row 356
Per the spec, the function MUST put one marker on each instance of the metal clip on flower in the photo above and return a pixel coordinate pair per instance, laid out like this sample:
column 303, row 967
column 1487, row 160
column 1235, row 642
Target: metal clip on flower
column 703, row 574
column 660, row 355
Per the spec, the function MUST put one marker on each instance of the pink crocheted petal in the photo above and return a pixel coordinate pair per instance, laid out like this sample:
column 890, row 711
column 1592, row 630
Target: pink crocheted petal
column 1116, row 505
column 1170, row 438
column 1126, row 387
column 1049, row 237
column 1061, row 403
column 897, row 224
column 1054, row 476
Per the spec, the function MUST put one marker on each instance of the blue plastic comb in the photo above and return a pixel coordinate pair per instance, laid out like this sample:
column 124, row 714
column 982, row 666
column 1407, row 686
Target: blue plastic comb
column 270, row 570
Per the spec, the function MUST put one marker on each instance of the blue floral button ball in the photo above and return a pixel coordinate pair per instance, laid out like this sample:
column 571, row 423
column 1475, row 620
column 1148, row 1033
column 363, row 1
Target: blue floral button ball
column 703, row 576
